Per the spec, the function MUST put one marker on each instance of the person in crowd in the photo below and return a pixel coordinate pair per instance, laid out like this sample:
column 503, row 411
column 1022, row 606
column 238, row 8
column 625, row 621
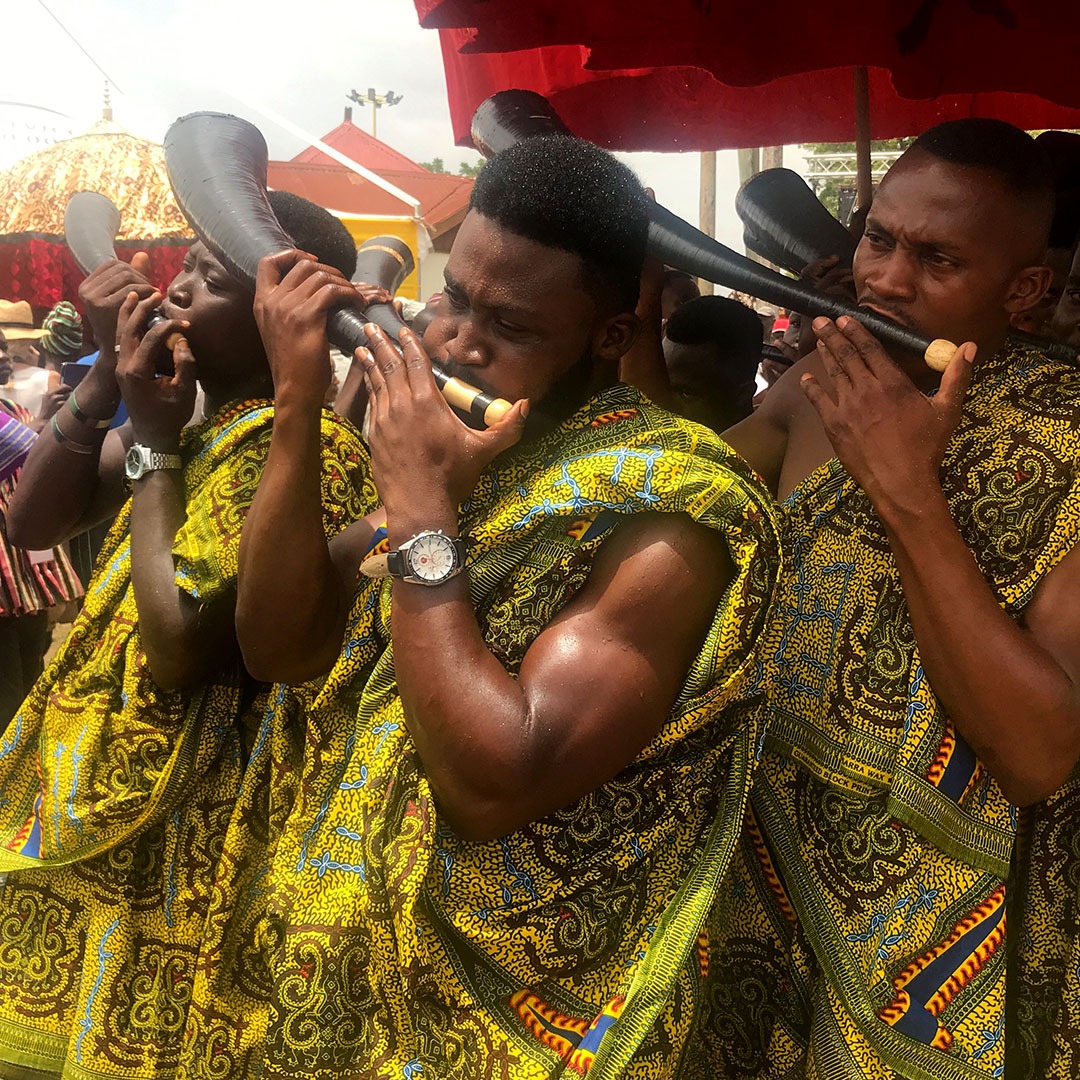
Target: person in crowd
column 121, row 769
column 922, row 670
column 61, row 339
column 1064, row 325
column 677, row 288
column 16, row 438
column 521, row 780
column 712, row 347
column 31, row 582
column 28, row 382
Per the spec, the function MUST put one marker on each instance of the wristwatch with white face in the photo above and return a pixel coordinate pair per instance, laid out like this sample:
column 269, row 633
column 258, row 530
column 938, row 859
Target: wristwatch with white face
column 141, row 460
column 429, row 558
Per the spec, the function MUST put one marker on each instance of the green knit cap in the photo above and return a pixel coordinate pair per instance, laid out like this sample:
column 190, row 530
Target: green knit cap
column 63, row 331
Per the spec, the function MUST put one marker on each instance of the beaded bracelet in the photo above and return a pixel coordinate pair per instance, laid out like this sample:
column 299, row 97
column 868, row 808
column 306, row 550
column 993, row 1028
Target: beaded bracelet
column 82, row 417
column 67, row 442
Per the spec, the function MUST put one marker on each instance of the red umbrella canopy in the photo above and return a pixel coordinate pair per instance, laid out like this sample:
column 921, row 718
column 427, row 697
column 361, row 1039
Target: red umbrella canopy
column 688, row 75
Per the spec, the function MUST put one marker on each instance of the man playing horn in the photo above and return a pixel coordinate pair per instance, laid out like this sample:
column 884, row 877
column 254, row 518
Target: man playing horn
column 523, row 758
column 121, row 770
column 923, row 668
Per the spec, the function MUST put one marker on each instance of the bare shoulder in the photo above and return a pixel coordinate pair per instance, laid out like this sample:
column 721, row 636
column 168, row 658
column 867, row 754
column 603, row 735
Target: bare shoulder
column 659, row 569
column 762, row 439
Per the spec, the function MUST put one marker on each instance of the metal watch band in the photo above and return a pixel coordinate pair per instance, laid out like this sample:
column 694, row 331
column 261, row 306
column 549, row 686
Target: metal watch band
column 156, row 461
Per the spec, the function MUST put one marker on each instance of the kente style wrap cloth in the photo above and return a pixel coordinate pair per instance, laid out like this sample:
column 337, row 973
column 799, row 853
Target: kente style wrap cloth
column 16, row 439
column 30, row 581
column 116, row 795
column 393, row 948
column 863, row 930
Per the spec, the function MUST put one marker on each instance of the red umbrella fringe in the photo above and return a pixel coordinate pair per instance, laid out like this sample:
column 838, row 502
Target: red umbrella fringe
column 40, row 269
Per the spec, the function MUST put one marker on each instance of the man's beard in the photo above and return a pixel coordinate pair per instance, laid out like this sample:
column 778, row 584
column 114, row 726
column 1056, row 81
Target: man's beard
column 565, row 396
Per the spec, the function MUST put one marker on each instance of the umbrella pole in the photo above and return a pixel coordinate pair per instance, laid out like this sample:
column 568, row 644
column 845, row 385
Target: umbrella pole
column 864, row 185
column 707, row 206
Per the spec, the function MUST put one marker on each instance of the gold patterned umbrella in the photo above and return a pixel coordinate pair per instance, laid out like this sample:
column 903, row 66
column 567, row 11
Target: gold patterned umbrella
column 35, row 264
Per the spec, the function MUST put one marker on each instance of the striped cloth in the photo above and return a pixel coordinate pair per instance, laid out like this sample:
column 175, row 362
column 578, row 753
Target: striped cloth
column 29, row 580
column 15, row 442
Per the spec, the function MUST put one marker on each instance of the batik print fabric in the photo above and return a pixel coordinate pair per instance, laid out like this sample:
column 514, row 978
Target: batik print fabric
column 864, row 927
column 116, row 796
column 1044, row 956
column 394, row 949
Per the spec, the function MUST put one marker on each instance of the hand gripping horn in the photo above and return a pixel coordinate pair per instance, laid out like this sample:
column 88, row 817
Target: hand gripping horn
column 217, row 168
column 510, row 115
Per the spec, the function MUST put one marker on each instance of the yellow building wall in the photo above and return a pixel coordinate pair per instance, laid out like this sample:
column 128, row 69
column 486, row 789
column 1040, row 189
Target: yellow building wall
column 405, row 229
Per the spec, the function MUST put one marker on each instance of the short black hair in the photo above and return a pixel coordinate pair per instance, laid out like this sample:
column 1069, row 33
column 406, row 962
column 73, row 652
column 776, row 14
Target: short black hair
column 1023, row 165
column 315, row 230
column 732, row 327
column 569, row 194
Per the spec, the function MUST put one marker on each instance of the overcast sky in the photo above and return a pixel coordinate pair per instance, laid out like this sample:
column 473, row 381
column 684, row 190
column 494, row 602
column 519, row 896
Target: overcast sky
column 296, row 59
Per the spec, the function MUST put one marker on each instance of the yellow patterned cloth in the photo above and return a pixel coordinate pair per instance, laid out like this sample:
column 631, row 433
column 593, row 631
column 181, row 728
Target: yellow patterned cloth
column 116, row 795
column 863, row 930
column 390, row 947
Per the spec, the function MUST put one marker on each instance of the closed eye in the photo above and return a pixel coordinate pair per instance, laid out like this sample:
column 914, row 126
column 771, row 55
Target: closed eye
column 454, row 299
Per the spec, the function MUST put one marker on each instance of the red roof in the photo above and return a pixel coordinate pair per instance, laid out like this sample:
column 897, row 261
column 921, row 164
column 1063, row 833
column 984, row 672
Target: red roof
column 363, row 148
column 444, row 199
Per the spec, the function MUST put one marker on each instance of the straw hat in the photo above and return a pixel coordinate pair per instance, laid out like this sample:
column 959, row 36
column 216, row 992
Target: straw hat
column 17, row 321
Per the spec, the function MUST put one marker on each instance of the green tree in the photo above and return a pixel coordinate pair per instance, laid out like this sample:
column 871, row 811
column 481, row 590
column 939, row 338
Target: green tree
column 829, row 190
column 437, row 165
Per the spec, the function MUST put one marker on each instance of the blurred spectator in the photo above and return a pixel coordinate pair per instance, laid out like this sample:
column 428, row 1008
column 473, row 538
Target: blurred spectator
column 62, row 337
column 1039, row 320
column 677, row 288
column 774, row 362
column 768, row 314
column 712, row 349
column 1065, row 324
column 28, row 382
column 31, row 582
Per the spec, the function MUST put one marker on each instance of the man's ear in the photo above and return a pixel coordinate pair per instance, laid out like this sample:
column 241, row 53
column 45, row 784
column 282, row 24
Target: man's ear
column 617, row 335
column 1027, row 288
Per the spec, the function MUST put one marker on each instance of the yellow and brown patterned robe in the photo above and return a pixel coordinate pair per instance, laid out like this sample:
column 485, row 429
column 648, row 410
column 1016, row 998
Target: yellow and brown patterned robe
column 116, row 796
column 863, row 931
column 391, row 948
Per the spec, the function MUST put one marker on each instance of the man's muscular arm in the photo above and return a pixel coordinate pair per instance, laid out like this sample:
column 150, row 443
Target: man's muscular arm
column 1012, row 688
column 597, row 683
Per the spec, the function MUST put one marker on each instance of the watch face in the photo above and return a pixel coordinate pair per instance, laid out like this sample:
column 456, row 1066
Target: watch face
column 134, row 463
column 432, row 557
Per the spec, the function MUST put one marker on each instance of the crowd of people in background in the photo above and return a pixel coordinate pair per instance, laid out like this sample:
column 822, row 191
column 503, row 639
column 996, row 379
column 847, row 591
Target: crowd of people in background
column 709, row 715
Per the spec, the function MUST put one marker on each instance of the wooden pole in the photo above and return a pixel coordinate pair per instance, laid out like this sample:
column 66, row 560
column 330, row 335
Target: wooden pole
column 864, row 184
column 707, row 206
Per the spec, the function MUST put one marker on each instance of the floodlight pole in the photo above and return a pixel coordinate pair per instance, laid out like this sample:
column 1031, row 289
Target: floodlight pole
column 376, row 101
